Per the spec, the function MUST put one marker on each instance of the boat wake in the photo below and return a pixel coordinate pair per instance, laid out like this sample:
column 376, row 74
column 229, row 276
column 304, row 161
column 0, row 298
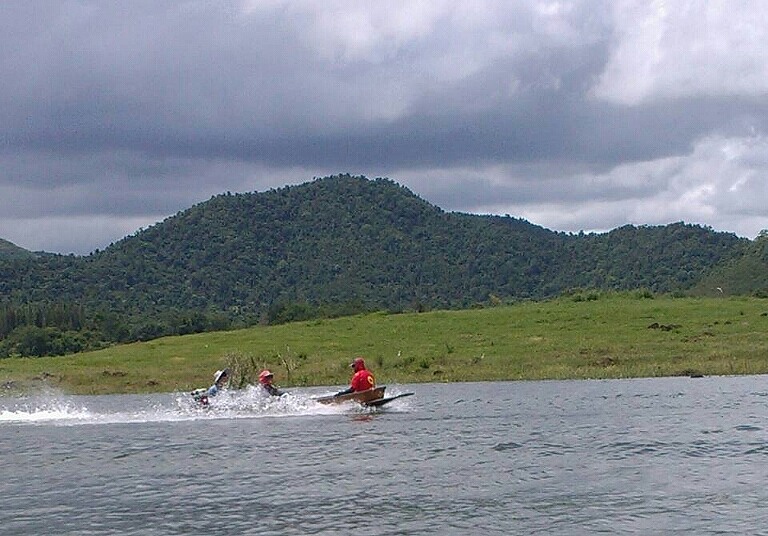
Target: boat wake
column 33, row 411
column 248, row 403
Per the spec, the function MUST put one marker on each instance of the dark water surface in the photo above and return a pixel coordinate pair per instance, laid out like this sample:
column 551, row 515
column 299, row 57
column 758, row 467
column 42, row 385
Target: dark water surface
column 661, row 456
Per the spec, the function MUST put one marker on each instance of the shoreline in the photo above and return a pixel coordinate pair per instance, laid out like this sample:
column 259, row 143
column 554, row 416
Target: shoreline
column 613, row 336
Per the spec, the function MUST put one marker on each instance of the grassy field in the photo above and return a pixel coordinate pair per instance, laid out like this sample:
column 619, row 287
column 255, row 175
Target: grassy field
column 589, row 335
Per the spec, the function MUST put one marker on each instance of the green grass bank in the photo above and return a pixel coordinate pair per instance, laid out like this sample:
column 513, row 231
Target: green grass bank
column 587, row 335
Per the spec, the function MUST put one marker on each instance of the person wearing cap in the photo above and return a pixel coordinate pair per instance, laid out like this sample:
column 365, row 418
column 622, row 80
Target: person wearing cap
column 265, row 379
column 362, row 380
column 219, row 381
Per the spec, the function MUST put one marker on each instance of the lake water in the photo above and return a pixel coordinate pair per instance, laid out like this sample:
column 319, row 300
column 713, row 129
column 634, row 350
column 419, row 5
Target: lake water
column 657, row 456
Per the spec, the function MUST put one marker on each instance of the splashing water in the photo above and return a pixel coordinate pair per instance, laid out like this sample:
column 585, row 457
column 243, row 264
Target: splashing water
column 248, row 403
column 44, row 411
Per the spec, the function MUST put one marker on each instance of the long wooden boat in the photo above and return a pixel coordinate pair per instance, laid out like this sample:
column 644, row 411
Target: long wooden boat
column 361, row 397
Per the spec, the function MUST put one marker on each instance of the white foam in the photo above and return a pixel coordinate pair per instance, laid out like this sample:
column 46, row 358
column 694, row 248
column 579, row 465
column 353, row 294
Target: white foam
column 249, row 403
column 55, row 410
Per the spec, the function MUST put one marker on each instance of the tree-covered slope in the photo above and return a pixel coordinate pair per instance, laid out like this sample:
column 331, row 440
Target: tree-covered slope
column 340, row 245
column 660, row 258
column 9, row 250
column 744, row 274
column 335, row 240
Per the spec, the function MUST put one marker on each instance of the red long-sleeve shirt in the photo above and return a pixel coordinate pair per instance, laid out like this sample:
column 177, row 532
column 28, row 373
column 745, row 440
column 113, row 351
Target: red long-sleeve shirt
column 363, row 380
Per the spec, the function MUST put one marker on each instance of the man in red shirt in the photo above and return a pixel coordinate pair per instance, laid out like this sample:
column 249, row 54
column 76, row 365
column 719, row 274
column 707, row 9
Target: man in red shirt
column 362, row 380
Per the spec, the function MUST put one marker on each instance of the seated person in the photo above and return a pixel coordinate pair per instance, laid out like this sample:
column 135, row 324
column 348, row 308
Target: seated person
column 219, row 381
column 265, row 379
column 362, row 380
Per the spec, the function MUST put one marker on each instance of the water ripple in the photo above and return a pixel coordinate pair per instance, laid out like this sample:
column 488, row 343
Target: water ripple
column 501, row 447
column 545, row 458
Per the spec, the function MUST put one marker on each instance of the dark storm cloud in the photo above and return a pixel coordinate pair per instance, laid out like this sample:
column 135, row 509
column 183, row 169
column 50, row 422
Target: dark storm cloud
column 130, row 111
column 209, row 81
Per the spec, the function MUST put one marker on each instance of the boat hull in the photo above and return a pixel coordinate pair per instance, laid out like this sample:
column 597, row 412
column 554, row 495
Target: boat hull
column 361, row 397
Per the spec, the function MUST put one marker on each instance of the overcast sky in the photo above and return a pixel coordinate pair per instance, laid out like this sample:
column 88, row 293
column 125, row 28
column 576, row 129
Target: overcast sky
column 575, row 115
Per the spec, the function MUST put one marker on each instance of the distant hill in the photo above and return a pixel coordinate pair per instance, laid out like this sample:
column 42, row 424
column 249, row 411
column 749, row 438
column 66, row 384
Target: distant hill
column 9, row 250
column 340, row 245
column 744, row 274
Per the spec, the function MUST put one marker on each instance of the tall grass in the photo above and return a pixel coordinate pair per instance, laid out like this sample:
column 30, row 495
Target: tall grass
column 605, row 336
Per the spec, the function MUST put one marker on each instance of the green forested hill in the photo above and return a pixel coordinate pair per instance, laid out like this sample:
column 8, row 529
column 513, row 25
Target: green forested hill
column 333, row 246
column 9, row 250
column 746, row 273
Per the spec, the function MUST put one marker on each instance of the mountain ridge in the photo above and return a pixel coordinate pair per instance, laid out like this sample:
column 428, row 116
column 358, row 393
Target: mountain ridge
column 9, row 250
column 341, row 245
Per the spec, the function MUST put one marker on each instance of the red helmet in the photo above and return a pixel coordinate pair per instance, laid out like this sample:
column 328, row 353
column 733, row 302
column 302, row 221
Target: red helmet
column 265, row 376
column 358, row 364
